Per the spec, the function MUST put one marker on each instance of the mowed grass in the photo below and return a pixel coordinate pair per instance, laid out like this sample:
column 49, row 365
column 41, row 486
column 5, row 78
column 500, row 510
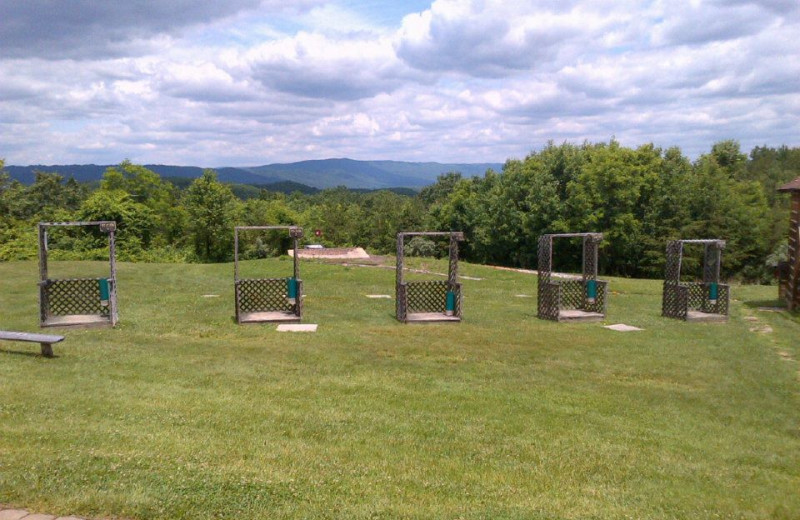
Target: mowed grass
column 181, row 413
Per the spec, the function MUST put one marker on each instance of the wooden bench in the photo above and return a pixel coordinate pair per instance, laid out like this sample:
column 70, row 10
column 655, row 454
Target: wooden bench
column 46, row 340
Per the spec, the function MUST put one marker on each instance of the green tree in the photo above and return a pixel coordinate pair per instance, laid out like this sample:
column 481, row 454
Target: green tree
column 437, row 192
column 465, row 210
column 7, row 189
column 609, row 195
column 666, row 211
column 722, row 207
column 211, row 207
column 521, row 204
column 146, row 187
column 48, row 198
column 134, row 222
column 384, row 215
column 729, row 157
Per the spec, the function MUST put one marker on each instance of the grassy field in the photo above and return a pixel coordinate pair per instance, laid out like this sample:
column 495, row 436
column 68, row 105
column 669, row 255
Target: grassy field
column 180, row 413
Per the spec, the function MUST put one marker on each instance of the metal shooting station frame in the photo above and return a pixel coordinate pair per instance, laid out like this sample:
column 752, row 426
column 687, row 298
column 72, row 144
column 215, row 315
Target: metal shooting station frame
column 708, row 300
column 77, row 302
column 428, row 301
column 268, row 300
column 571, row 298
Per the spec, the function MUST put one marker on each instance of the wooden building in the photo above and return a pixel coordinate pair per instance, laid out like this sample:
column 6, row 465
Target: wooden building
column 790, row 280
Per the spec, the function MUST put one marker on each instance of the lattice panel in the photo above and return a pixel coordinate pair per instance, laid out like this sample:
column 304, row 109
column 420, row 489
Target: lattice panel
column 674, row 300
column 71, row 296
column 698, row 295
column 572, row 294
column 698, row 299
column 569, row 295
column 711, row 262
column 590, row 247
column 263, row 295
column 673, row 266
column 677, row 300
column 545, row 259
column 548, row 301
column 723, row 303
column 427, row 296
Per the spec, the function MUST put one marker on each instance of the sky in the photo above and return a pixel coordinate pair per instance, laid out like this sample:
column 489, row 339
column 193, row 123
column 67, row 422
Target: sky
column 251, row 82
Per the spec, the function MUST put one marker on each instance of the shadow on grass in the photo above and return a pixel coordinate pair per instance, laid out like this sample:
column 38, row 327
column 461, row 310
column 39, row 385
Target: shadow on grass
column 778, row 306
column 771, row 304
column 26, row 353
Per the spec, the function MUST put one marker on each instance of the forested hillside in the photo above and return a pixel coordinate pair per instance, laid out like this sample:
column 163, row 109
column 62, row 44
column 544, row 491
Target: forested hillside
column 319, row 174
column 639, row 197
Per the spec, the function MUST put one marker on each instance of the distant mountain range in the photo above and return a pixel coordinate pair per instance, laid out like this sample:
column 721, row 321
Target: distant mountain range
column 325, row 173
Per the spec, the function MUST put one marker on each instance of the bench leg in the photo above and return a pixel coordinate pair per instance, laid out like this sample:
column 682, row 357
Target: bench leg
column 47, row 349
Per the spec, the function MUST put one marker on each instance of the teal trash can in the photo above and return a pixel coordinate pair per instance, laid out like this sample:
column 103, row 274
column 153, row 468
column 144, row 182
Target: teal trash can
column 591, row 291
column 104, row 291
column 450, row 307
column 291, row 290
column 713, row 293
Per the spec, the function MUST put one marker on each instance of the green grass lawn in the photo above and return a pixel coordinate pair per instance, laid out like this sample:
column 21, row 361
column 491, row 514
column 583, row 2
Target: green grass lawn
column 181, row 413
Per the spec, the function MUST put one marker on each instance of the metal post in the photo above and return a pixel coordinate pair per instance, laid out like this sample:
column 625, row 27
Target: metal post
column 400, row 303
column 44, row 305
column 295, row 269
column 452, row 271
column 112, row 254
column 235, row 254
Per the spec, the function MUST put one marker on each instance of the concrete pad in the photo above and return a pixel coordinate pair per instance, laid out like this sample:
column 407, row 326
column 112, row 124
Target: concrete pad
column 430, row 317
column 523, row 296
column 304, row 327
column 13, row 514
column 262, row 317
column 577, row 315
column 705, row 316
column 621, row 327
column 376, row 296
column 78, row 320
column 69, row 518
column 40, row 517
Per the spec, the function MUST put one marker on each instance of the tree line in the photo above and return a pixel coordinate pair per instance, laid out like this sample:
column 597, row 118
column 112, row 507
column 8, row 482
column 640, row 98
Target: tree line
column 639, row 197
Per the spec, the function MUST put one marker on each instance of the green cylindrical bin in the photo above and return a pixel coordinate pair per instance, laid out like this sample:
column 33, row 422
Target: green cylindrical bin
column 713, row 292
column 591, row 291
column 291, row 289
column 450, row 306
column 104, row 291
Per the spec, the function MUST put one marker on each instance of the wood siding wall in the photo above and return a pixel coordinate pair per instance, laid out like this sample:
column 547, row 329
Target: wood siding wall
column 790, row 289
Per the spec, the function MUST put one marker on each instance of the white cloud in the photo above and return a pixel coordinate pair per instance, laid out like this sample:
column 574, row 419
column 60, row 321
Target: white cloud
column 482, row 38
column 313, row 65
column 706, row 22
column 252, row 81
